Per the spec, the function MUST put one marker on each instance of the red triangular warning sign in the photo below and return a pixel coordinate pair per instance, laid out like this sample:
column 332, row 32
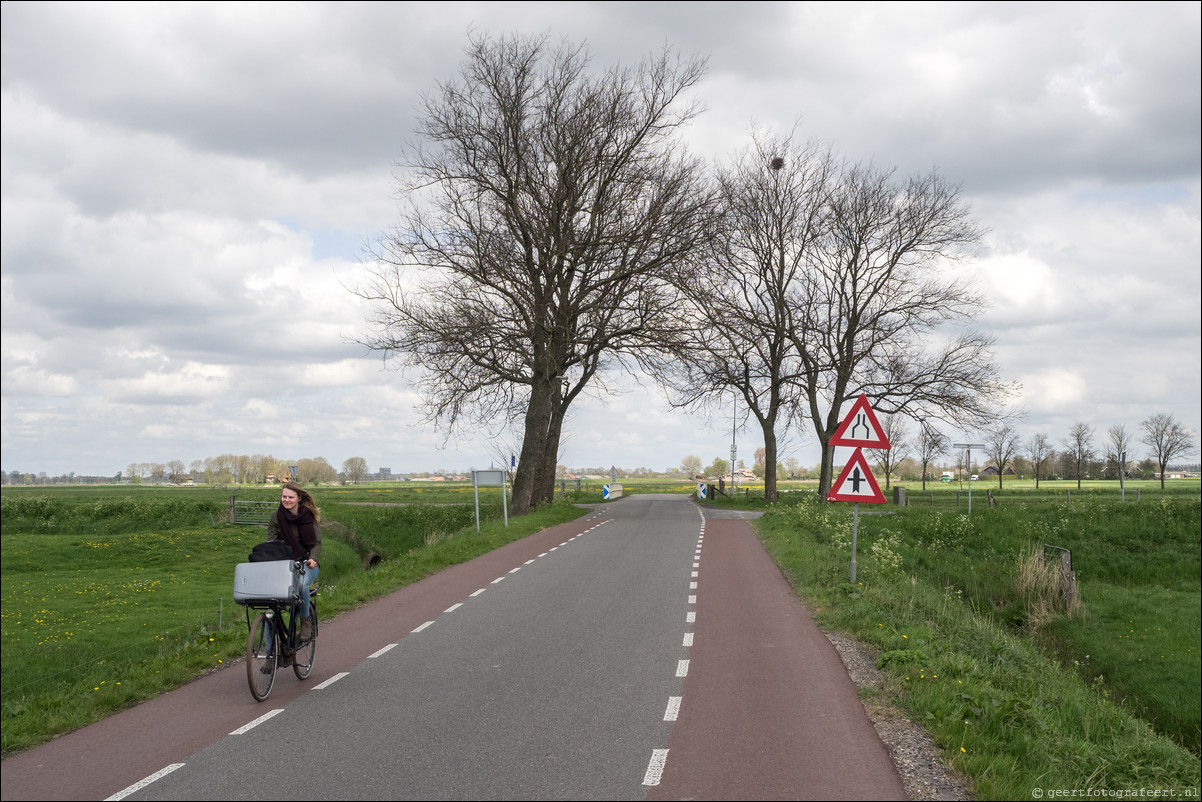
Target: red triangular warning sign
column 861, row 429
column 856, row 483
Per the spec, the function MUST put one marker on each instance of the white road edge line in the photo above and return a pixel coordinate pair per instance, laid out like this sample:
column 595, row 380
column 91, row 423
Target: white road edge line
column 478, row 592
column 655, row 769
column 688, row 639
column 245, row 728
column 140, row 784
column 682, row 668
column 673, row 710
column 453, row 607
column 690, row 617
column 339, row 676
column 382, row 651
column 423, row 626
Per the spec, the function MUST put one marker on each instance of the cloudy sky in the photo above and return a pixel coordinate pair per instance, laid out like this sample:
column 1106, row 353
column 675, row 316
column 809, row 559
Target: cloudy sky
column 188, row 188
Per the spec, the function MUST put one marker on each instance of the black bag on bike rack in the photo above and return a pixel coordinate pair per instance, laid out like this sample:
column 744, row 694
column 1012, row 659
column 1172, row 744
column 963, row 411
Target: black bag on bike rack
column 270, row 550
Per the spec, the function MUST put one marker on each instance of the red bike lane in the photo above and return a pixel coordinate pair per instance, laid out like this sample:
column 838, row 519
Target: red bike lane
column 768, row 710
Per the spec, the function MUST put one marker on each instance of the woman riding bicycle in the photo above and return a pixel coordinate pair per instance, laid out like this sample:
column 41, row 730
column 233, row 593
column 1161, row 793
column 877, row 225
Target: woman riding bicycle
column 296, row 522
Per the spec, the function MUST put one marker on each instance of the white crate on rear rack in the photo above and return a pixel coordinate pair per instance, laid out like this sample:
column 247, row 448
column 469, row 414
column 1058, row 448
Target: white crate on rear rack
column 277, row 580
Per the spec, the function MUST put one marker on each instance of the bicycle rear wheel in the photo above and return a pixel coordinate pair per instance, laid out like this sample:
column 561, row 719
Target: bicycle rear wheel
column 302, row 659
column 262, row 649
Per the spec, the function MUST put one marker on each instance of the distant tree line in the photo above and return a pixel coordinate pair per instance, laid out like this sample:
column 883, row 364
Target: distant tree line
column 1081, row 455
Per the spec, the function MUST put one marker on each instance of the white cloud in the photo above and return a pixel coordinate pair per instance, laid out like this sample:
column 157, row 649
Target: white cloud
column 187, row 188
column 24, row 380
column 190, row 382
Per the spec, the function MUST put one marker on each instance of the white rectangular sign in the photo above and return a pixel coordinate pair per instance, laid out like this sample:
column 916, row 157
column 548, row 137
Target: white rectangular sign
column 488, row 478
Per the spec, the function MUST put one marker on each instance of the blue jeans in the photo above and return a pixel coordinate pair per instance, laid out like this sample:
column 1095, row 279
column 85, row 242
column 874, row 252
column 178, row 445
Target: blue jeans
column 310, row 576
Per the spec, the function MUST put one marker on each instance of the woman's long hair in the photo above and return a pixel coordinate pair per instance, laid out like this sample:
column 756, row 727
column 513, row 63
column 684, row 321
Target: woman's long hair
column 306, row 500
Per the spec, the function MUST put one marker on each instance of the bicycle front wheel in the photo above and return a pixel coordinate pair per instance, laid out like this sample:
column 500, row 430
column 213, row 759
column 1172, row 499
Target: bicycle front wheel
column 262, row 649
column 302, row 659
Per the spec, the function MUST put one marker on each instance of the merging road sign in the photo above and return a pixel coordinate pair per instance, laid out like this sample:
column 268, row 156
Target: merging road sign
column 856, row 483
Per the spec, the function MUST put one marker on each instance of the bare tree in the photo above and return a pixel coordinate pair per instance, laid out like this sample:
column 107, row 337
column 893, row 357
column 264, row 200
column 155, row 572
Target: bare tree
column 243, row 465
column 1168, row 439
column 931, row 444
column 746, row 303
column 1039, row 450
column 315, row 471
column 1118, row 448
column 793, row 467
column 175, row 470
column 265, row 465
column 1078, row 448
column 881, row 308
column 355, row 469
column 897, row 433
column 1001, row 444
column 548, row 208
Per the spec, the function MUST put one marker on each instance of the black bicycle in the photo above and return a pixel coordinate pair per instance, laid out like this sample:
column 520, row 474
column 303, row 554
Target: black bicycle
column 275, row 640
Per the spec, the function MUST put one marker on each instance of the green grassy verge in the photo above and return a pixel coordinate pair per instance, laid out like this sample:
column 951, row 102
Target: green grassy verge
column 112, row 598
column 1018, row 699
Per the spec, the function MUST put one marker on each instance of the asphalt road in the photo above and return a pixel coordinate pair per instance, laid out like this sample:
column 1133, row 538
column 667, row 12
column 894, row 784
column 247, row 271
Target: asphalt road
column 642, row 652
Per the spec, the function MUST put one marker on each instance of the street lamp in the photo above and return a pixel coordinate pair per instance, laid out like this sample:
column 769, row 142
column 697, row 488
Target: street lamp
column 968, row 447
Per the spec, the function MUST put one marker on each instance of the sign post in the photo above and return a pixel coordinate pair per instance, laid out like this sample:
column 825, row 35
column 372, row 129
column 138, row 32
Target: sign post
column 859, row 430
column 968, row 447
column 490, row 478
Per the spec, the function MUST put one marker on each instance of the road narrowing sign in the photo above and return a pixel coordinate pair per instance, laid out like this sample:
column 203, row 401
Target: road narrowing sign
column 861, row 429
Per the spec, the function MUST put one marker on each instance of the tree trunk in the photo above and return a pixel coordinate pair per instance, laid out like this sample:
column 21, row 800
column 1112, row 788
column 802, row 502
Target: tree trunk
column 544, row 485
column 770, row 491
column 827, row 475
column 527, row 480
